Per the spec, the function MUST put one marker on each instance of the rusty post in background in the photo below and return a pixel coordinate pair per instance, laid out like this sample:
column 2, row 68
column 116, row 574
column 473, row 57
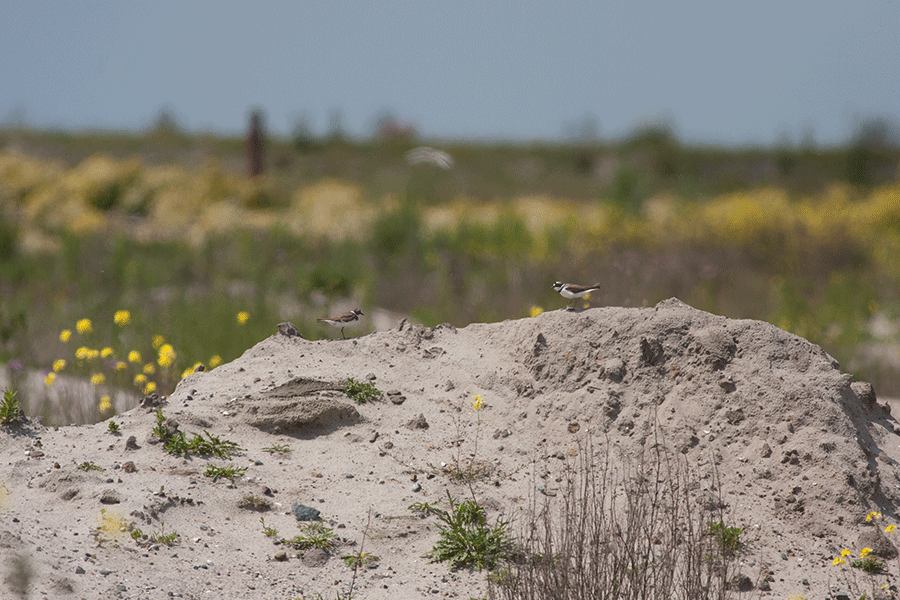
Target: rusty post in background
column 255, row 142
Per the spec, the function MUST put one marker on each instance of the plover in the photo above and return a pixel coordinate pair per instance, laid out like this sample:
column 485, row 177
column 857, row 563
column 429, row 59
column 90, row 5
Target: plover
column 343, row 320
column 572, row 291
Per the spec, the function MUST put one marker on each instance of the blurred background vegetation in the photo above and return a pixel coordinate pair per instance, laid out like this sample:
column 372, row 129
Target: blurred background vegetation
column 168, row 225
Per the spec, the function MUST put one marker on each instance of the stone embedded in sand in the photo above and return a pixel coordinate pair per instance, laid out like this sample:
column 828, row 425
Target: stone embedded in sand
column 304, row 513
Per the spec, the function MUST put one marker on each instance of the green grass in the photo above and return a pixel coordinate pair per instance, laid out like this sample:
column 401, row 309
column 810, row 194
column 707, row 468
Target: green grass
column 278, row 448
column 226, row 472
column 179, row 444
column 362, row 392
column 314, row 535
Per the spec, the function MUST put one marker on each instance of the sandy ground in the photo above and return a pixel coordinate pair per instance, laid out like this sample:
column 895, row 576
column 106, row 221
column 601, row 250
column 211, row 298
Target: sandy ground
column 803, row 454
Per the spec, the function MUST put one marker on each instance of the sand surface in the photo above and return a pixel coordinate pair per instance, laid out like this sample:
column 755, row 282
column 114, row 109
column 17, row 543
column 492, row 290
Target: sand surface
column 803, row 454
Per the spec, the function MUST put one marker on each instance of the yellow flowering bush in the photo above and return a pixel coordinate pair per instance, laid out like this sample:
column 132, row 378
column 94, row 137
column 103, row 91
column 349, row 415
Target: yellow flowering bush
column 84, row 326
column 49, row 379
column 65, row 335
column 243, row 317
column 134, row 356
column 122, row 318
column 59, row 365
column 166, row 356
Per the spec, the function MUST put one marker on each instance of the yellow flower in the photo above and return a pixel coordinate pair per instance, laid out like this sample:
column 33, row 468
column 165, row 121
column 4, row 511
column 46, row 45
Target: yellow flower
column 873, row 515
column 166, row 355
column 838, row 561
column 121, row 365
column 149, row 369
column 64, row 335
column 478, row 402
column 122, row 318
column 82, row 353
column 59, row 365
column 140, row 379
column 535, row 311
column 186, row 372
column 158, row 341
column 865, row 552
column 890, row 528
column 215, row 361
column 106, row 352
column 105, row 404
column 845, row 552
column 84, row 326
column 150, row 387
column 243, row 317
column 48, row 380
column 97, row 379
column 134, row 356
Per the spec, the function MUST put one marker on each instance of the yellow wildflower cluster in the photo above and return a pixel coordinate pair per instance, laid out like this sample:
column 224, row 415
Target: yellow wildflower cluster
column 243, row 317
column 84, row 326
column 166, row 356
column 122, row 318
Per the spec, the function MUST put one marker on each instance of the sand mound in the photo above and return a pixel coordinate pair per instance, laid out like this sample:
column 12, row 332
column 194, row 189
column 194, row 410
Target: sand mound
column 803, row 452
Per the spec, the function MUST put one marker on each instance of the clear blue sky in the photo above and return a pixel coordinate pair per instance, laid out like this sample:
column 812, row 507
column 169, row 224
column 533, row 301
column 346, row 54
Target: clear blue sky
column 719, row 72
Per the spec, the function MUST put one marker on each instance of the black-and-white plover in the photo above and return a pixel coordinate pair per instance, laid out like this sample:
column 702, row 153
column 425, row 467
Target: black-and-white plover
column 343, row 320
column 572, row 291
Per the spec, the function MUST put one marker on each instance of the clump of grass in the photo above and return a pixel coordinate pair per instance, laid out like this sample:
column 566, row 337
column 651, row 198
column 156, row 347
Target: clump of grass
column 10, row 409
column 279, row 448
column 362, row 392
column 113, row 428
column 177, row 443
column 228, row 472
column 90, row 466
column 314, row 535
column 269, row 531
column 467, row 540
column 158, row 537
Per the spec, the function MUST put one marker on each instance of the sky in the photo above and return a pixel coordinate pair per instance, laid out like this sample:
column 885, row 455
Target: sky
column 730, row 73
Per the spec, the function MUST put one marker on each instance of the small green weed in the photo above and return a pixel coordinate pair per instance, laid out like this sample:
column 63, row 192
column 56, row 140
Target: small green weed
column 729, row 538
column 280, row 448
column 314, row 535
column 229, row 472
column 89, row 466
column 269, row 531
column 870, row 565
column 361, row 392
column 114, row 428
column 360, row 560
column 10, row 410
column 467, row 540
column 425, row 508
column 178, row 444
column 160, row 537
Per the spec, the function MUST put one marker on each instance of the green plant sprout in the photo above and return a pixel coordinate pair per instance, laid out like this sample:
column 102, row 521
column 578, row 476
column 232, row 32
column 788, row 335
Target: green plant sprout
column 362, row 392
